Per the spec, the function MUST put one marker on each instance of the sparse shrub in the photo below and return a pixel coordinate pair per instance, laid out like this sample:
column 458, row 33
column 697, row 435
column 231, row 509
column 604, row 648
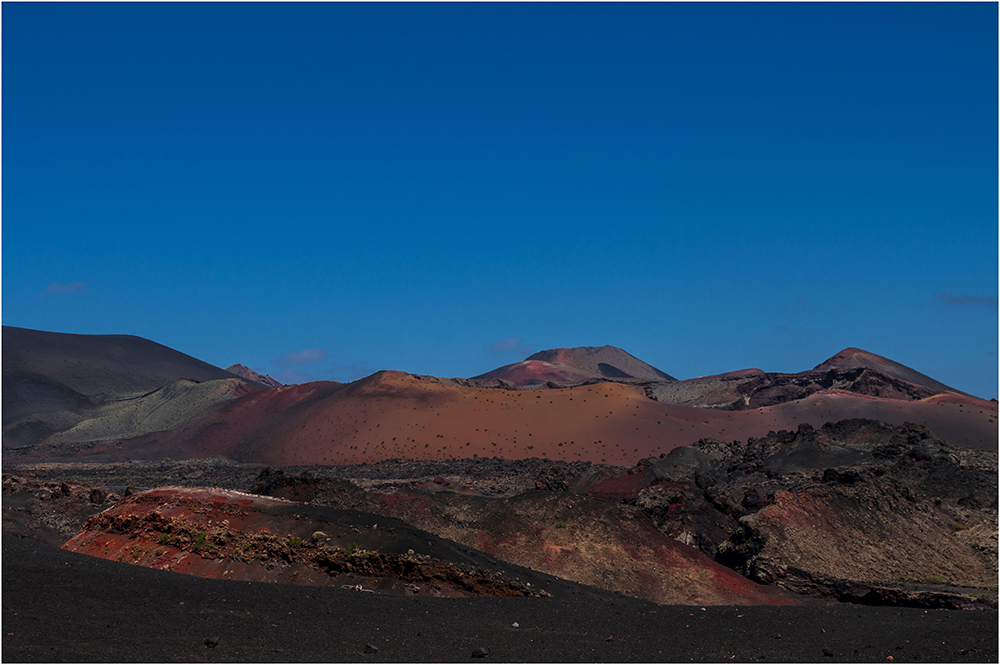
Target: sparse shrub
column 162, row 540
column 935, row 579
column 294, row 542
column 199, row 541
column 560, row 525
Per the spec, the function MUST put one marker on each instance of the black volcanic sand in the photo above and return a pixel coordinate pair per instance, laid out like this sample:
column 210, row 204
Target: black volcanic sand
column 61, row 606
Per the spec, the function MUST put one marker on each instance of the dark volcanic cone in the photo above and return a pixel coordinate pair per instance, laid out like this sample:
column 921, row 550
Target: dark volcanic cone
column 852, row 357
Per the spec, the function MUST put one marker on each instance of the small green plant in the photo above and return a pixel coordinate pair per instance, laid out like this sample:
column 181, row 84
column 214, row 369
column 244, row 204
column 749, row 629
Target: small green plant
column 199, row 541
column 162, row 540
column 935, row 579
column 560, row 525
column 352, row 548
column 294, row 542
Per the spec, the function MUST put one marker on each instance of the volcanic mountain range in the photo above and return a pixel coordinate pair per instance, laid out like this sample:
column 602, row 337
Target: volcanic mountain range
column 587, row 464
column 113, row 397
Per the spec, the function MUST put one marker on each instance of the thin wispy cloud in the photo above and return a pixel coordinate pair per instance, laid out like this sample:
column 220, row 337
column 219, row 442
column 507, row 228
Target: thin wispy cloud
column 951, row 300
column 303, row 357
column 71, row 287
column 512, row 345
column 289, row 376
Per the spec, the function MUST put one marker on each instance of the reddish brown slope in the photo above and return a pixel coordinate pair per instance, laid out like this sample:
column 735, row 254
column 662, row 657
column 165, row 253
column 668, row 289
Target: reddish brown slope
column 229, row 535
column 575, row 365
column 395, row 415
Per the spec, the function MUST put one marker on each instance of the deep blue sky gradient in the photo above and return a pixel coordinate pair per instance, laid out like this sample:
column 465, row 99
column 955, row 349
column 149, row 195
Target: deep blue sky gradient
column 326, row 190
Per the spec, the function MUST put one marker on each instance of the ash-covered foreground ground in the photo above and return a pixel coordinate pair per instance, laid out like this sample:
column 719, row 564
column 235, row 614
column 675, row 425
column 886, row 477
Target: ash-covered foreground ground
column 855, row 542
column 61, row 606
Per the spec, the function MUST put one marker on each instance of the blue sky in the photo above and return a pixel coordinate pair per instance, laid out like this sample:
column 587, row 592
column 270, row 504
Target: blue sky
column 320, row 191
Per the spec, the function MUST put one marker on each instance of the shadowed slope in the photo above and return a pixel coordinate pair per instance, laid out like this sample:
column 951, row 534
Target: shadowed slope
column 45, row 371
column 62, row 388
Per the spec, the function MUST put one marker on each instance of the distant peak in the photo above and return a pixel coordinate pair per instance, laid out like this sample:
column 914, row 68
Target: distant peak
column 249, row 374
column 850, row 352
column 574, row 364
column 854, row 357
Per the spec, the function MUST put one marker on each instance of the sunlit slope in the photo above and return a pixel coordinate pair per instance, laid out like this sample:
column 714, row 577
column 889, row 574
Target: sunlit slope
column 395, row 415
column 170, row 407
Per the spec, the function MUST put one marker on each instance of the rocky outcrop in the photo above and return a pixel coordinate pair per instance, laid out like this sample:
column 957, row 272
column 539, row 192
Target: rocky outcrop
column 47, row 511
column 856, row 503
column 576, row 537
column 752, row 389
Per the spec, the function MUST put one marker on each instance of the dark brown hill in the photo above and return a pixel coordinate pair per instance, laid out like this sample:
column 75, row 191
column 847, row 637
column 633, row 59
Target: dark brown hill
column 753, row 388
column 53, row 382
column 851, row 358
column 44, row 371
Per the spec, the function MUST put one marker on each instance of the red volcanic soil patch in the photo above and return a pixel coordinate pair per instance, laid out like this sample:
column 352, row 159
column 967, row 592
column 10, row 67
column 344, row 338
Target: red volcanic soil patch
column 392, row 415
column 224, row 534
column 579, row 538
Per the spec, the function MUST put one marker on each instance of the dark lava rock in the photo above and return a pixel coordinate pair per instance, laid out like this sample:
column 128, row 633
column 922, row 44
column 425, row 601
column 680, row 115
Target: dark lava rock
column 211, row 642
column 552, row 479
column 371, row 648
column 481, row 652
